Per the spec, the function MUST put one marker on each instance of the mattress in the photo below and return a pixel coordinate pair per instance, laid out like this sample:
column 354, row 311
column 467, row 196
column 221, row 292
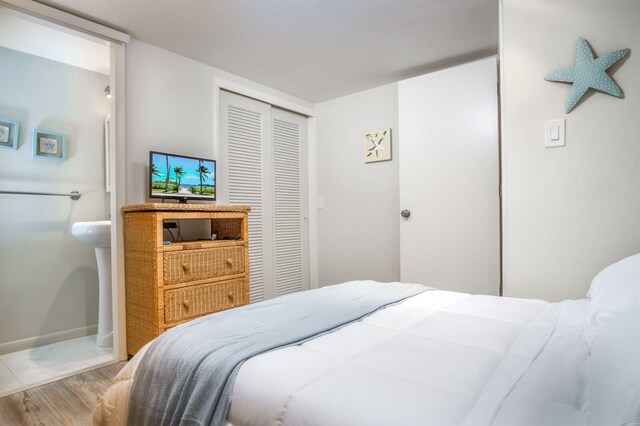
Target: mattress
column 439, row 358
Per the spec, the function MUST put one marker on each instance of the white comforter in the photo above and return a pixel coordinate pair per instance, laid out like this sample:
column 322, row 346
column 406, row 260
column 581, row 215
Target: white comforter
column 439, row 358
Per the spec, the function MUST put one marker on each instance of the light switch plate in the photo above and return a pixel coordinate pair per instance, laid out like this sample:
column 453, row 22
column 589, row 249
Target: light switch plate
column 320, row 202
column 554, row 133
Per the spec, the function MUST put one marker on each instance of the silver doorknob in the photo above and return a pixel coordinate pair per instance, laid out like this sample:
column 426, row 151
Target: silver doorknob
column 405, row 213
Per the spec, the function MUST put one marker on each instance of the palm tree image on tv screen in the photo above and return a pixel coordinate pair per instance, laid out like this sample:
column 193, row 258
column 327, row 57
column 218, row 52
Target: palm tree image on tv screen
column 175, row 176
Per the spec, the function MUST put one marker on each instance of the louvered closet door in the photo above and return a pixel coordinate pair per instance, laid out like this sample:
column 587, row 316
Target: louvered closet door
column 290, row 201
column 245, row 126
column 263, row 165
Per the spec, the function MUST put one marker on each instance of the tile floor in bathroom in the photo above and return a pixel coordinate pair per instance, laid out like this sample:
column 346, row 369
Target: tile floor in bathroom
column 33, row 367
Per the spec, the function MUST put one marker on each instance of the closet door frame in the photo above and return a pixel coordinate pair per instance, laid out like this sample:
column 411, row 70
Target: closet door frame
column 296, row 106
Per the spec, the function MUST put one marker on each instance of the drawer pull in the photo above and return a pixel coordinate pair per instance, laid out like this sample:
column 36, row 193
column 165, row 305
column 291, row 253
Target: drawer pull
column 186, row 267
column 230, row 261
column 186, row 304
column 230, row 297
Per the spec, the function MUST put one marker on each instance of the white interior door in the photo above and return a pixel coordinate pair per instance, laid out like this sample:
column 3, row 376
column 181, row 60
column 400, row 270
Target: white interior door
column 263, row 165
column 290, row 203
column 449, row 177
column 243, row 175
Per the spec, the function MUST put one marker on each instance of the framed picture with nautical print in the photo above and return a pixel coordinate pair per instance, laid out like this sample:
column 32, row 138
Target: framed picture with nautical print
column 9, row 133
column 377, row 146
column 49, row 144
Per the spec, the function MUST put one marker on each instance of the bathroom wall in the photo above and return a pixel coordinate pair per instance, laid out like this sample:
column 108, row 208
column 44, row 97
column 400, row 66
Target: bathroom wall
column 48, row 280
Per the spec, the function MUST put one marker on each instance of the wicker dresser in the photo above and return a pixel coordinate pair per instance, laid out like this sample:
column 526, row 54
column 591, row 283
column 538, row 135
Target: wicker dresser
column 168, row 284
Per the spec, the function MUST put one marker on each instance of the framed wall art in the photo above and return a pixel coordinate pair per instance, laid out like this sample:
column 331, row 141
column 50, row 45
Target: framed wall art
column 9, row 130
column 50, row 145
column 377, row 146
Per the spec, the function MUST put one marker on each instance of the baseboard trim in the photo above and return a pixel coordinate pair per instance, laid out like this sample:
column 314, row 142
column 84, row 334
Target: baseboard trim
column 47, row 339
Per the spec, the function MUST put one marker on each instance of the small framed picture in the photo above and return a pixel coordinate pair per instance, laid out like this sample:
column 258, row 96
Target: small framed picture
column 9, row 133
column 377, row 146
column 48, row 144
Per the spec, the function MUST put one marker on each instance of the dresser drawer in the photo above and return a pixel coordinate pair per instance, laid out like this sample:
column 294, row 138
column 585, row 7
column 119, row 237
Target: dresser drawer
column 193, row 265
column 189, row 302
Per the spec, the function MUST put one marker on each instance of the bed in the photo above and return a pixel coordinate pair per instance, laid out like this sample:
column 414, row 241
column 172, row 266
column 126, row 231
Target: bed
column 446, row 358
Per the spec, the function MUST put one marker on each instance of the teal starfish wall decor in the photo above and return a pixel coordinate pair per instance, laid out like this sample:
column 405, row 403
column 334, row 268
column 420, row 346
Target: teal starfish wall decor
column 589, row 73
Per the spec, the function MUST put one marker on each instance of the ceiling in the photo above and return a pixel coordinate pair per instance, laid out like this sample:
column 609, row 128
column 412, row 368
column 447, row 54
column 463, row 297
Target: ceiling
column 313, row 49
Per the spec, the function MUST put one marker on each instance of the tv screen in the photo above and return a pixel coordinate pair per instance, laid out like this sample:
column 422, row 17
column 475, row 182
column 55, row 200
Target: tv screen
column 181, row 177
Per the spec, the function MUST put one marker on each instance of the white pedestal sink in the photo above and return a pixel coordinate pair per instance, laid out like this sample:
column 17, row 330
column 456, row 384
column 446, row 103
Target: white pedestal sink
column 98, row 236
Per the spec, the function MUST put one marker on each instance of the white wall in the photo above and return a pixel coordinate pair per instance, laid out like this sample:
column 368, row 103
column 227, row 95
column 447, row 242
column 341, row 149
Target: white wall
column 569, row 211
column 358, row 229
column 169, row 107
column 48, row 279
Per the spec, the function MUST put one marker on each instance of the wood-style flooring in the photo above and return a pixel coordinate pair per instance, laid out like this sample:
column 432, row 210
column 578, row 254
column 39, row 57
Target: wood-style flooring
column 67, row 402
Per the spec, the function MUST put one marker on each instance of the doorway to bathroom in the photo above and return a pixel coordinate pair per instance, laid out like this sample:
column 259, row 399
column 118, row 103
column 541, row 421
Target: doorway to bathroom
column 55, row 150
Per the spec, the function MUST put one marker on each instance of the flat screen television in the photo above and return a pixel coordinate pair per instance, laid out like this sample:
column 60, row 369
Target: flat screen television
column 181, row 177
